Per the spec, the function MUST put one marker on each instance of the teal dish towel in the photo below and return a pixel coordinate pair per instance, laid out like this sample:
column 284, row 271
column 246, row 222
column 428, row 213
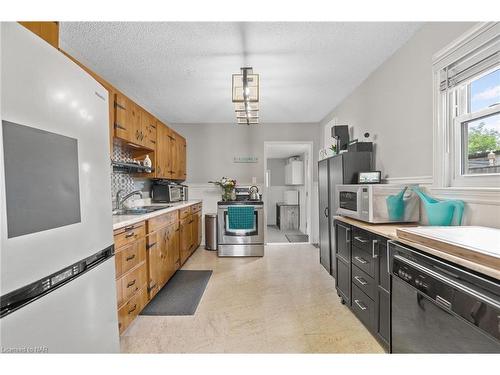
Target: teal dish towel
column 240, row 217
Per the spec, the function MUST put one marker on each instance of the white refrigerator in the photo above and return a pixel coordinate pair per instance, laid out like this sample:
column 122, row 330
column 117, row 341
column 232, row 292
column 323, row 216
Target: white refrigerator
column 58, row 291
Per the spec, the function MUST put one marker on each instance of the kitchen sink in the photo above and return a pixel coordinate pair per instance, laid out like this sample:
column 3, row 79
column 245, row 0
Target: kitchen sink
column 140, row 210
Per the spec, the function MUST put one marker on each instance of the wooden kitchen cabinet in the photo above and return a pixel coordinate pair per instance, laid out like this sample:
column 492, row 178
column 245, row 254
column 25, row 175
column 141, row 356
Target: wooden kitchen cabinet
column 131, row 272
column 124, row 128
column 163, row 151
column 155, row 262
column 48, row 31
column 185, row 239
column 148, row 129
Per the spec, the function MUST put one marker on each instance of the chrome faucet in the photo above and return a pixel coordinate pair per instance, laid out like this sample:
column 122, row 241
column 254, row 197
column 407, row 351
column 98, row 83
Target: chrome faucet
column 119, row 201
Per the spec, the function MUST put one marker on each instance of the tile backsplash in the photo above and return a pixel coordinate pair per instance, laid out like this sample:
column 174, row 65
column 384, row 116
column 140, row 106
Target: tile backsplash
column 124, row 181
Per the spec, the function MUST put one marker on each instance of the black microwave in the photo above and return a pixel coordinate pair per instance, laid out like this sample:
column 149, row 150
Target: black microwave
column 167, row 192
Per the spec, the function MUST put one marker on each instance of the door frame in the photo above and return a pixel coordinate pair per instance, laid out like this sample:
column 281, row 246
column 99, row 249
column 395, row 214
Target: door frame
column 308, row 176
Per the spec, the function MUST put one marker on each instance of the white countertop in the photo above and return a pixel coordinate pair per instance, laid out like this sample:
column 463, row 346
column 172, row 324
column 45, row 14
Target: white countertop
column 120, row 221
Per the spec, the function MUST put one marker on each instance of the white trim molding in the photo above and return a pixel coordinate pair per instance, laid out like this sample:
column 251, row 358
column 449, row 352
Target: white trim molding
column 486, row 196
column 443, row 162
column 421, row 180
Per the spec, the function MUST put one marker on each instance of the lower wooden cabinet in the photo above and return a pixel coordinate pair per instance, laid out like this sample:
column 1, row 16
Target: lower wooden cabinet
column 185, row 234
column 129, row 311
column 131, row 272
column 148, row 254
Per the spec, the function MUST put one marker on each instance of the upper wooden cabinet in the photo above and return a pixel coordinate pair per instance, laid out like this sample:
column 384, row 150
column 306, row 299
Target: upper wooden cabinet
column 48, row 31
column 148, row 130
column 170, row 153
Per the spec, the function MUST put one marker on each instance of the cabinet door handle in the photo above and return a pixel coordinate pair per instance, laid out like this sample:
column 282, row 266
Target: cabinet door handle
column 132, row 309
column 152, row 287
column 150, row 245
column 130, row 257
column 360, row 239
column 360, row 304
column 118, row 126
column 360, row 280
column 374, row 255
column 131, row 234
column 360, row 260
column 326, row 212
column 153, row 141
column 132, row 283
column 118, row 105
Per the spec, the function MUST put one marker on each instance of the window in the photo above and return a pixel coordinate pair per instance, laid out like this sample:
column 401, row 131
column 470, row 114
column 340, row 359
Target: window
column 477, row 122
column 467, row 109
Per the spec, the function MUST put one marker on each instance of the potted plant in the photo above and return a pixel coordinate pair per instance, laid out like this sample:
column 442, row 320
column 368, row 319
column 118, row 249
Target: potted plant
column 227, row 185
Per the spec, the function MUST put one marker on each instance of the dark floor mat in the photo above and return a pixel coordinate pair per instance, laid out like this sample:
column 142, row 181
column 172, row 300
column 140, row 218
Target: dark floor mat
column 181, row 295
column 297, row 237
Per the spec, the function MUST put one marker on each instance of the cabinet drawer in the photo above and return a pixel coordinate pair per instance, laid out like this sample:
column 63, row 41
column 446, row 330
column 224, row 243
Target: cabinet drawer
column 196, row 207
column 363, row 282
column 129, row 311
column 130, row 256
column 184, row 212
column 130, row 283
column 363, row 260
column 162, row 221
column 362, row 239
column 129, row 234
column 363, row 307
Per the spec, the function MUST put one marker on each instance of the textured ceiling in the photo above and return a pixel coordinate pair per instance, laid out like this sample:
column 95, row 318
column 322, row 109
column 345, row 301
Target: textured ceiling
column 181, row 71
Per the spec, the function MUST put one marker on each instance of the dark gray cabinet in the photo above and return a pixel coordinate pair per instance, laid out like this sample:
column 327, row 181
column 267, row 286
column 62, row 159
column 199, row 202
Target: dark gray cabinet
column 363, row 281
column 343, row 261
column 339, row 169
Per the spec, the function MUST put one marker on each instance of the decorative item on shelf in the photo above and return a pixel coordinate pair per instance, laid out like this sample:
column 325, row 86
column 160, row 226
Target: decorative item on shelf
column 147, row 162
column 245, row 95
column 441, row 213
column 227, row 185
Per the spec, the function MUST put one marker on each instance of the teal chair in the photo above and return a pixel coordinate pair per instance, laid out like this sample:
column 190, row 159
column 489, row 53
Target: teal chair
column 441, row 213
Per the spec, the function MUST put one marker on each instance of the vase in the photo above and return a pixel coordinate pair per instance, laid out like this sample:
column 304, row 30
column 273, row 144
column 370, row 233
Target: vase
column 228, row 193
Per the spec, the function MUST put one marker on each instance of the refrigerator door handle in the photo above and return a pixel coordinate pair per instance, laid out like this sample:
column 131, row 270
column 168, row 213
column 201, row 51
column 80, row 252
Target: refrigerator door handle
column 327, row 212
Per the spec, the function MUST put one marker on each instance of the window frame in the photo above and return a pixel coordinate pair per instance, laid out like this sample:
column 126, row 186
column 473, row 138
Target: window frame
column 449, row 107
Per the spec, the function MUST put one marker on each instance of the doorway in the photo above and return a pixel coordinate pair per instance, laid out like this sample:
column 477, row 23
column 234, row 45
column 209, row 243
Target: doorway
column 287, row 192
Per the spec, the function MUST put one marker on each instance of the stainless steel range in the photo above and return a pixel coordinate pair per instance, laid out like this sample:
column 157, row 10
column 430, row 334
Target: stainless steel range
column 241, row 241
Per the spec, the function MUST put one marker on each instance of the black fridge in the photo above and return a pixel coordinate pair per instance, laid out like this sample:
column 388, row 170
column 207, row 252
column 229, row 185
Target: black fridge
column 336, row 170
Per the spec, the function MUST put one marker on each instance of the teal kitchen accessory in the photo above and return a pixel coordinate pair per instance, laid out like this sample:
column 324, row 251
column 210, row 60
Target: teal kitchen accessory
column 396, row 205
column 441, row 213
column 241, row 217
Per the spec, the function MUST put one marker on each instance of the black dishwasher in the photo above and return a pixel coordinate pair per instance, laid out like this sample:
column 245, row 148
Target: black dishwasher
column 438, row 307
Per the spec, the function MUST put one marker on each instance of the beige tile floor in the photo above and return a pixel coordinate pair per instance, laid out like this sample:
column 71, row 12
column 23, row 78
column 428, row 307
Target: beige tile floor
column 282, row 303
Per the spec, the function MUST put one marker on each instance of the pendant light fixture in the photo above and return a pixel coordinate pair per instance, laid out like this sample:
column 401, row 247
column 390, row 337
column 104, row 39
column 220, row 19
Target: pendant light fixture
column 246, row 96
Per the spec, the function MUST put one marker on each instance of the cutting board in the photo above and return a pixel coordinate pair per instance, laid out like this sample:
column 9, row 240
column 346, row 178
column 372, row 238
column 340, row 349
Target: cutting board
column 477, row 244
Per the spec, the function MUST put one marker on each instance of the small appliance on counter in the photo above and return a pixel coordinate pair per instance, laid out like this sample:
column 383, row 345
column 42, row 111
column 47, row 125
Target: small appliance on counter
column 378, row 203
column 163, row 191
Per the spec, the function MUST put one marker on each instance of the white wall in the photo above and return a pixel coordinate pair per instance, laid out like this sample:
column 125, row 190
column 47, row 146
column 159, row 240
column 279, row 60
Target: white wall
column 394, row 104
column 211, row 148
